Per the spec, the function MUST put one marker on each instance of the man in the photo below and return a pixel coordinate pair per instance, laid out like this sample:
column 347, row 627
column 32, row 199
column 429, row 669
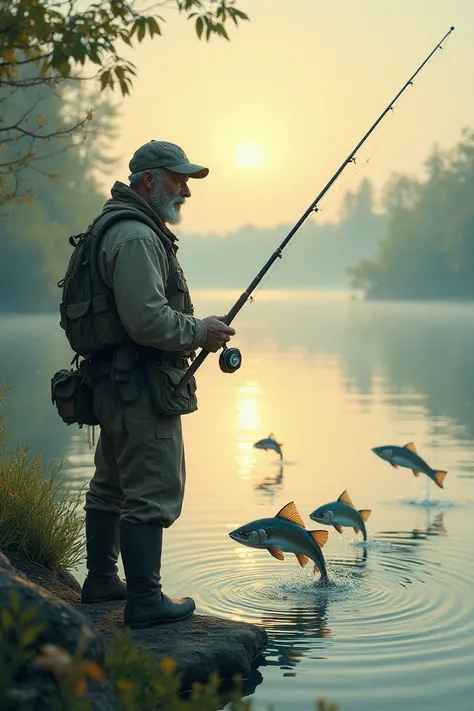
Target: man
column 138, row 485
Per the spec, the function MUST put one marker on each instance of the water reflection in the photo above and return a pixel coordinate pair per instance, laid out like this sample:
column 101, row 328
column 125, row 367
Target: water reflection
column 248, row 424
column 270, row 485
column 434, row 526
column 433, row 357
column 296, row 632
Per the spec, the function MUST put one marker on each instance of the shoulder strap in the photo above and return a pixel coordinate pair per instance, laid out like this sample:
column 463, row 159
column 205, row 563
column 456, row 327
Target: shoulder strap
column 107, row 221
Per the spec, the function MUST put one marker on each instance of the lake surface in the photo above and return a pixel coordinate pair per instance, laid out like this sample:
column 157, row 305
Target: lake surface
column 331, row 378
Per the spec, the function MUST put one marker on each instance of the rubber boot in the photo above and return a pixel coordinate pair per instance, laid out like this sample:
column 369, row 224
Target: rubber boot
column 147, row 606
column 103, row 546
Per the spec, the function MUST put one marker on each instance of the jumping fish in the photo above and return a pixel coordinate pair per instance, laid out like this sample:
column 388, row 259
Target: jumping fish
column 285, row 532
column 342, row 513
column 270, row 443
column 408, row 457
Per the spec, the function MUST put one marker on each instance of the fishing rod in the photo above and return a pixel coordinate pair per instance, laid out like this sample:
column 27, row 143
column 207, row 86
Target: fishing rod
column 230, row 359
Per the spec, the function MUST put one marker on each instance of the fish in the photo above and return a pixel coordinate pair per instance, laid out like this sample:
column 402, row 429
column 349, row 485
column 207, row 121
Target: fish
column 270, row 443
column 408, row 457
column 287, row 533
column 342, row 513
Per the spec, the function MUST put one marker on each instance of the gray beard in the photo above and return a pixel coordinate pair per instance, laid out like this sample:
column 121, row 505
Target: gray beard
column 164, row 205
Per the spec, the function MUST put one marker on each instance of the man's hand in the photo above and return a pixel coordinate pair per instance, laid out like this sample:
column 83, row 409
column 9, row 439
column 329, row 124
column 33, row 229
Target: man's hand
column 218, row 333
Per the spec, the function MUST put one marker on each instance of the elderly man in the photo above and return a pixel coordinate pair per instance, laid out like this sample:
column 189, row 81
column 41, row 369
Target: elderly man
column 138, row 484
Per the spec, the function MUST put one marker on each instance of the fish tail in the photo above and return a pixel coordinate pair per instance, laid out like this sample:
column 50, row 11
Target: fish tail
column 321, row 569
column 439, row 476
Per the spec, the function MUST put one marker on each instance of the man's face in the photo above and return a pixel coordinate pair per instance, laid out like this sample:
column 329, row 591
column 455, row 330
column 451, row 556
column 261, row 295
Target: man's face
column 168, row 194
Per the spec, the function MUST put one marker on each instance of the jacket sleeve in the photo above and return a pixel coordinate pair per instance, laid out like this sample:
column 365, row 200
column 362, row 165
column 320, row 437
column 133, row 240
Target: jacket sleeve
column 138, row 271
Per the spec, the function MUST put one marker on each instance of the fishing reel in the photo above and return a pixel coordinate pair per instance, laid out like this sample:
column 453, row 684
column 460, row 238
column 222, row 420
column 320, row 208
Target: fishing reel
column 230, row 360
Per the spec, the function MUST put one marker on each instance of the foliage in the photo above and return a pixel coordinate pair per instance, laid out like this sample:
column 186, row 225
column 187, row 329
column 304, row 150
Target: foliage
column 38, row 516
column 140, row 683
column 143, row 684
column 34, row 248
column 47, row 43
column 19, row 631
column 62, row 35
column 428, row 250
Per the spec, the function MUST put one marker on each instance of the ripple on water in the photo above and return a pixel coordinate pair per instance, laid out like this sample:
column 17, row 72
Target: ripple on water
column 389, row 603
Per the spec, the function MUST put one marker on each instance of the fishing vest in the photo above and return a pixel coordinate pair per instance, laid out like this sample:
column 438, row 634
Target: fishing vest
column 88, row 310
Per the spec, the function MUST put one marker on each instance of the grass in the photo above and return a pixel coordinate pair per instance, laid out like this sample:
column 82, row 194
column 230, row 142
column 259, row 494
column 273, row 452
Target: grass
column 38, row 515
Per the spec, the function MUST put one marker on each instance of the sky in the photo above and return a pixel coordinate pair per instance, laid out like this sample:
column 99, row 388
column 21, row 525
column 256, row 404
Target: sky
column 302, row 81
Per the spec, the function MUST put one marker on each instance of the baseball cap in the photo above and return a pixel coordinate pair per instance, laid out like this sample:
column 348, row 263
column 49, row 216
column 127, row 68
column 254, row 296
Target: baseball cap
column 161, row 154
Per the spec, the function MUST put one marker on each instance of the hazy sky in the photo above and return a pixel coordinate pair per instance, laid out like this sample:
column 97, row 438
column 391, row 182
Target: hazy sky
column 303, row 80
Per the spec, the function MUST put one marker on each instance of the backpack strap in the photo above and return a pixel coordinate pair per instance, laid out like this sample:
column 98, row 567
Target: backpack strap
column 107, row 221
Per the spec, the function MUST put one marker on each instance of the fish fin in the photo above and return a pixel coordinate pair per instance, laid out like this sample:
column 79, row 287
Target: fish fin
column 356, row 530
column 395, row 466
column 439, row 478
column 280, row 444
column 290, row 513
column 271, row 435
column 365, row 513
column 302, row 559
column 411, row 447
column 320, row 537
column 415, row 472
column 276, row 553
column 345, row 498
column 315, row 569
column 337, row 527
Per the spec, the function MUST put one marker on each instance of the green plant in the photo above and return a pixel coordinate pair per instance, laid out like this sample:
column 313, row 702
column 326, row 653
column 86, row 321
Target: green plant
column 18, row 633
column 38, row 516
column 140, row 682
column 143, row 684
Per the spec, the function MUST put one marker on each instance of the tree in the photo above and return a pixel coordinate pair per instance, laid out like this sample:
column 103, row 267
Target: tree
column 34, row 247
column 45, row 43
column 428, row 249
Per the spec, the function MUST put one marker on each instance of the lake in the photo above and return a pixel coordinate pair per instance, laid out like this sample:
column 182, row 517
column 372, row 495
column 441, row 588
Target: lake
column 331, row 377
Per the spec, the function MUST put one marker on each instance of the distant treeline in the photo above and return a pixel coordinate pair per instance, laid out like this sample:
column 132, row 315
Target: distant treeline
column 428, row 248
column 317, row 258
column 421, row 247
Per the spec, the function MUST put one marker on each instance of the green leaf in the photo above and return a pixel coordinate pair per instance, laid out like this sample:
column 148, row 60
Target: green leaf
column 125, row 37
column 32, row 633
column 28, row 613
column 7, row 619
column 124, row 87
column 105, row 79
column 15, row 602
column 153, row 27
column 221, row 31
column 199, row 27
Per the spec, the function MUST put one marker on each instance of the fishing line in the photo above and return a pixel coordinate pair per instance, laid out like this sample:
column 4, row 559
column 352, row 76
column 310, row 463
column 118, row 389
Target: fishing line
column 230, row 359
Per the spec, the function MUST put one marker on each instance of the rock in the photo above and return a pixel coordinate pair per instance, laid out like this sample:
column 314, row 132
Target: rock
column 199, row 645
column 35, row 689
column 63, row 621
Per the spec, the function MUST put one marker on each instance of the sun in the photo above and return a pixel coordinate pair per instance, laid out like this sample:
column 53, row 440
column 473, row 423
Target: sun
column 248, row 154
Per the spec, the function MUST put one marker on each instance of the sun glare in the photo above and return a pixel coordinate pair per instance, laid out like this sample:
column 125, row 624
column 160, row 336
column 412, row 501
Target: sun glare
column 248, row 154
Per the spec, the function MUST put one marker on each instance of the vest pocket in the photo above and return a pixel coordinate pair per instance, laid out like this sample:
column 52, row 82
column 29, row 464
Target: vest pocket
column 91, row 325
column 162, row 380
